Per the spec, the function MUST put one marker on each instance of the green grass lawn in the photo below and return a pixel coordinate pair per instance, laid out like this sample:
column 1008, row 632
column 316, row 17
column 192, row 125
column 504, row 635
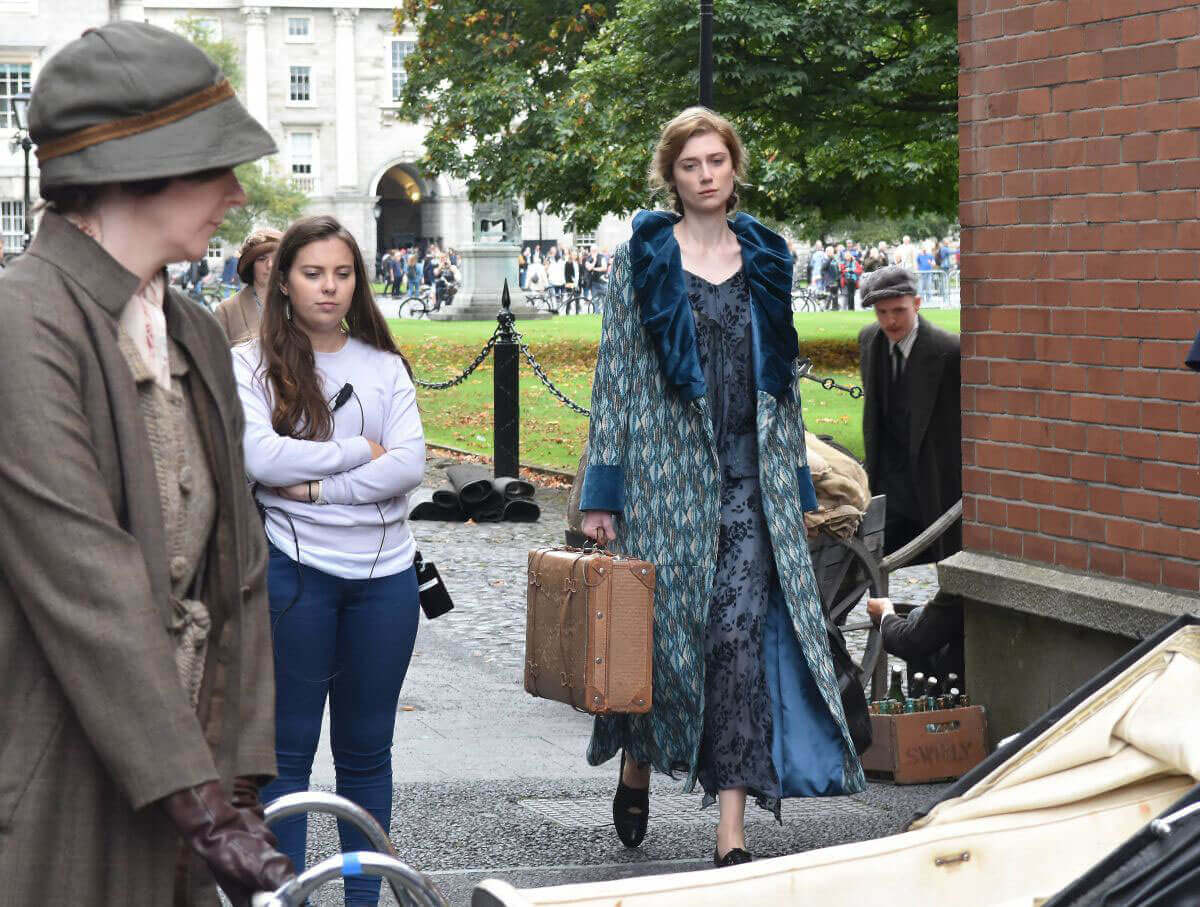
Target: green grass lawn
column 551, row 434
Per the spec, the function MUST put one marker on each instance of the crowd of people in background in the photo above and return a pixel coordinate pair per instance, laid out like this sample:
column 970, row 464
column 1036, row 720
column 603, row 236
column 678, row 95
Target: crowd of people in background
column 836, row 271
column 404, row 271
column 569, row 277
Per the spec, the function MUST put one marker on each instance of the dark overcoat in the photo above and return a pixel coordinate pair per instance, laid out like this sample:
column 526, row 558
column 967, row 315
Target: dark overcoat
column 94, row 723
column 935, row 433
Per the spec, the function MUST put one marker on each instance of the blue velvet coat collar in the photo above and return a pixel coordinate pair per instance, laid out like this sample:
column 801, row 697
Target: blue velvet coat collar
column 658, row 288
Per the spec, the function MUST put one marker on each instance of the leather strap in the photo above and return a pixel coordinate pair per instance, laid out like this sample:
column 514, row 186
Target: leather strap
column 136, row 125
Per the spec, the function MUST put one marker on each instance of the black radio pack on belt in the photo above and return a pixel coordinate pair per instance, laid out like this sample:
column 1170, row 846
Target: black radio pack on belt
column 435, row 599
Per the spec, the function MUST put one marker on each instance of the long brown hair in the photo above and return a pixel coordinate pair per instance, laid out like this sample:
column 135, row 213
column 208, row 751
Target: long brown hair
column 300, row 409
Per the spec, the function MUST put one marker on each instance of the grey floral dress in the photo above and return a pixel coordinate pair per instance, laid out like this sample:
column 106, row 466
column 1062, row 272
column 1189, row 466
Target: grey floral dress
column 736, row 747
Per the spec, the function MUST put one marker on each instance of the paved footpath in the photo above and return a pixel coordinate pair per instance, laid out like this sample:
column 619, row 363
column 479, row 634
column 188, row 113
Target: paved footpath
column 490, row 782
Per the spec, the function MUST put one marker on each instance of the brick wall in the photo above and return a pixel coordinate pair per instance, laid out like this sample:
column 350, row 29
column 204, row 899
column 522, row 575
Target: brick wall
column 1080, row 166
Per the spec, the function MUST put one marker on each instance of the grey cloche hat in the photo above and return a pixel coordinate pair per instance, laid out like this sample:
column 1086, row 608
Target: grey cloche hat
column 888, row 283
column 132, row 101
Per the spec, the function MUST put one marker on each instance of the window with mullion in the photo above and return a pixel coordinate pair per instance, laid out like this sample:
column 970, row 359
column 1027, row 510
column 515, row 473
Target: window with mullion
column 15, row 79
column 300, row 83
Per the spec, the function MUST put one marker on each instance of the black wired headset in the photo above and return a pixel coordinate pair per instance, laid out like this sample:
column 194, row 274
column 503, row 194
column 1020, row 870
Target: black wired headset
column 335, row 402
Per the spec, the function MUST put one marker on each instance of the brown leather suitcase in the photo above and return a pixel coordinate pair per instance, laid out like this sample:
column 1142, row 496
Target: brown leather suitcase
column 589, row 635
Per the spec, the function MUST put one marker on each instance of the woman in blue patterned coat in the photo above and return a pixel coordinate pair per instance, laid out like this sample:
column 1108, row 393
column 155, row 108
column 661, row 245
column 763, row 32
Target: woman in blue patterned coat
column 697, row 464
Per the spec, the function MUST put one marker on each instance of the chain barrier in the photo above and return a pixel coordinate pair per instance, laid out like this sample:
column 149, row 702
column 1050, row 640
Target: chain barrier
column 805, row 371
column 545, row 379
column 454, row 382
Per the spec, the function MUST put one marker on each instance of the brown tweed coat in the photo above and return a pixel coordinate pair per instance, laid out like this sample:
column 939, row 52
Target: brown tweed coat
column 94, row 724
column 239, row 316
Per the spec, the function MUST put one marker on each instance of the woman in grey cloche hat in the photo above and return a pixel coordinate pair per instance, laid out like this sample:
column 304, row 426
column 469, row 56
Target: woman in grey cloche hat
column 137, row 722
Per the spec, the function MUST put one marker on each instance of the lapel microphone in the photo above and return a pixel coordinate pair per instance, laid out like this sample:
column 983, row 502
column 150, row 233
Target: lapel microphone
column 343, row 396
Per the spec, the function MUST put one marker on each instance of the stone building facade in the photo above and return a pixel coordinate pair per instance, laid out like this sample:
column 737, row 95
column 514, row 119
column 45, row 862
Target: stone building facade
column 1080, row 204
column 323, row 77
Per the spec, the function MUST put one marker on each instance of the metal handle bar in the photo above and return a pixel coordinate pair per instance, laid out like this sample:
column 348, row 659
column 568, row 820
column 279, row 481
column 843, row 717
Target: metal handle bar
column 341, row 808
column 322, row 802
column 348, row 865
column 902, row 557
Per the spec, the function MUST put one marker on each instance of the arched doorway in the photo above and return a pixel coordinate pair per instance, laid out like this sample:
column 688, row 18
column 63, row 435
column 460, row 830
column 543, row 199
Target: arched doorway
column 400, row 196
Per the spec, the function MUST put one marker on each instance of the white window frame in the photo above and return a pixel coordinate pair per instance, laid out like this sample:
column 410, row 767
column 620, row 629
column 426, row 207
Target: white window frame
column 312, row 86
column 7, row 123
column 298, row 39
column 12, row 224
column 392, row 72
column 309, row 183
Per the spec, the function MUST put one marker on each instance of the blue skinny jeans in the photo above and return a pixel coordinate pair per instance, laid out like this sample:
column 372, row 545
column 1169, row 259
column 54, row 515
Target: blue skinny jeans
column 350, row 640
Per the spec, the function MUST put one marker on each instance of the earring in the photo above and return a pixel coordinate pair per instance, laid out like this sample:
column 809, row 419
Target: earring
column 287, row 308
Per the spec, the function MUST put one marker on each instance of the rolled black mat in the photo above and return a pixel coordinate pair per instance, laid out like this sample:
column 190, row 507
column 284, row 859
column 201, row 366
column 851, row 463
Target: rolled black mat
column 446, row 497
column 422, row 506
column 520, row 511
column 513, row 488
column 472, row 482
column 489, row 510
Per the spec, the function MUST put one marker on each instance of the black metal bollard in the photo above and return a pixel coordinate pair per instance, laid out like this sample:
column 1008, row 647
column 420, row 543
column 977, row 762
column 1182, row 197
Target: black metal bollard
column 506, row 384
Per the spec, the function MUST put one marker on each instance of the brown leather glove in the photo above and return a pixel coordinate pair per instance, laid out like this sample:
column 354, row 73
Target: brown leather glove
column 237, row 846
column 245, row 796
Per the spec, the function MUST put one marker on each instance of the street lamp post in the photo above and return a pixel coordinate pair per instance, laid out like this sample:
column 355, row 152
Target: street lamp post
column 20, row 108
column 706, row 53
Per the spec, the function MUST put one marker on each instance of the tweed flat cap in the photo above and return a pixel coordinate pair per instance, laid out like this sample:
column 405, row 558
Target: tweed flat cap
column 132, row 101
column 888, row 283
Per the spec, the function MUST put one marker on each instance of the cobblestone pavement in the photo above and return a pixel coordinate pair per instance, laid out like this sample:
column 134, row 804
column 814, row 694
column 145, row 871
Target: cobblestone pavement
column 484, row 567
column 491, row 782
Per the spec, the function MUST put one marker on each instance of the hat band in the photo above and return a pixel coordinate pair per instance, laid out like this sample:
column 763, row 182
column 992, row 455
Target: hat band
column 144, row 122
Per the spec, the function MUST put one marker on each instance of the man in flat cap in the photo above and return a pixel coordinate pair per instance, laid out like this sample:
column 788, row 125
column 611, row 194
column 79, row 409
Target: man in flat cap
column 912, row 419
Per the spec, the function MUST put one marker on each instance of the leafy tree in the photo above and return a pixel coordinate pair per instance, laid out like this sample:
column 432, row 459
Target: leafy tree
column 848, row 107
column 270, row 199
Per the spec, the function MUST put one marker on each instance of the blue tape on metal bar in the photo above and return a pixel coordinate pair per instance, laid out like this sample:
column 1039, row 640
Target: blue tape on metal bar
column 351, row 865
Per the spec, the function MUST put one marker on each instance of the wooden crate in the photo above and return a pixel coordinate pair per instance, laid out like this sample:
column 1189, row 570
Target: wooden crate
column 920, row 747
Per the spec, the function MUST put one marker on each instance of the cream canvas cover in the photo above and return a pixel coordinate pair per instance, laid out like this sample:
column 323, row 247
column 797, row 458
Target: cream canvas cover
column 1022, row 827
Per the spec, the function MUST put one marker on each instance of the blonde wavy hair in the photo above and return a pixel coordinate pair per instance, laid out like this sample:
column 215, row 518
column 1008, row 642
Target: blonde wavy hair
column 692, row 122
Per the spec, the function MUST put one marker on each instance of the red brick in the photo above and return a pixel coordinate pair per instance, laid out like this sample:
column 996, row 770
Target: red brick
column 1181, row 84
column 1139, row 30
column 1160, row 477
column 1143, row 568
column 1179, row 575
column 1177, row 205
column 1127, row 61
column 1106, row 561
column 1139, row 89
column 1163, row 416
column 1179, row 449
column 1055, row 522
column 1161, row 540
column 1072, row 555
column 1123, row 533
column 1183, row 512
column 1087, row 527
column 1181, row 23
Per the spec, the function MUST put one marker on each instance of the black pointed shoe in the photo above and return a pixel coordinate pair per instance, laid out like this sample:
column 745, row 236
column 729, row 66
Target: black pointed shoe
column 631, row 810
column 735, row 857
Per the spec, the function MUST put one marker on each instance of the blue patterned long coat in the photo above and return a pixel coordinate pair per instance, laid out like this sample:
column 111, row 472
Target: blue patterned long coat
column 653, row 460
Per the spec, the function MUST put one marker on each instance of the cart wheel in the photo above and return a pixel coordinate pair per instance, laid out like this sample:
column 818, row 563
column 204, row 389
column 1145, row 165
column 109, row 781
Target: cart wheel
column 841, row 590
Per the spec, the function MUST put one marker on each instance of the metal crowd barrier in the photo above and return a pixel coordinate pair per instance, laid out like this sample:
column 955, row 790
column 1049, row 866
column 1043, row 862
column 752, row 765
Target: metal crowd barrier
column 411, row 888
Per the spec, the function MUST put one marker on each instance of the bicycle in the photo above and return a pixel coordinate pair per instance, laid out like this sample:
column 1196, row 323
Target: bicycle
column 420, row 306
column 805, row 299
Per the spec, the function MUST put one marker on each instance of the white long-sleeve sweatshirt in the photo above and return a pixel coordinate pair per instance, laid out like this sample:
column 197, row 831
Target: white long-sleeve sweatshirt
column 344, row 534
